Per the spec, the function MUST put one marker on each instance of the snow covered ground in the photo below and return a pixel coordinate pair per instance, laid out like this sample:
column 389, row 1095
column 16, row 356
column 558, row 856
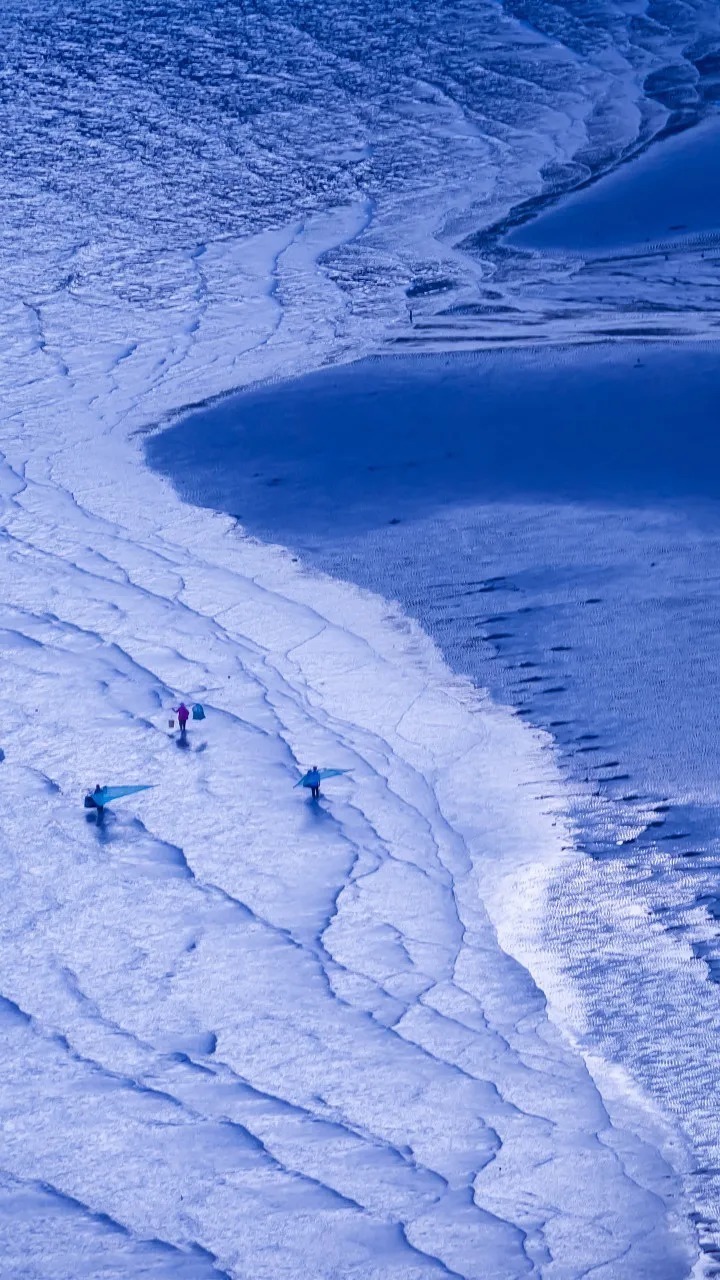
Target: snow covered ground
column 243, row 1034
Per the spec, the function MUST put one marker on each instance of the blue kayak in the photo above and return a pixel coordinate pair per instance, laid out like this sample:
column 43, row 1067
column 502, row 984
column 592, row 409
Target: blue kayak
column 315, row 776
column 103, row 795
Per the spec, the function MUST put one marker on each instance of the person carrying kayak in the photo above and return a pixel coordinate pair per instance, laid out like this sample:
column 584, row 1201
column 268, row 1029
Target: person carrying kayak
column 312, row 780
column 101, row 796
column 96, row 799
column 183, row 716
column 314, row 777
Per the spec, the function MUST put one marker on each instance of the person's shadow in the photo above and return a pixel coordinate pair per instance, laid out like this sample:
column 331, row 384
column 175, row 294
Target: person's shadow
column 316, row 811
column 182, row 741
column 99, row 819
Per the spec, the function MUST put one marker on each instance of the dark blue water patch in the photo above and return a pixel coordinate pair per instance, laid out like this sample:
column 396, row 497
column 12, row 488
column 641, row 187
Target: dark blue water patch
column 671, row 193
column 388, row 440
column 551, row 520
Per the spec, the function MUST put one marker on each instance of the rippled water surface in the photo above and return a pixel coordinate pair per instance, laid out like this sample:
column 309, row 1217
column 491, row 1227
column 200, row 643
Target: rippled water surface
column 135, row 133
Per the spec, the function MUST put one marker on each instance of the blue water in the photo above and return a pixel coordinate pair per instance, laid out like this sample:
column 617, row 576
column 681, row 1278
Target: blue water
column 670, row 193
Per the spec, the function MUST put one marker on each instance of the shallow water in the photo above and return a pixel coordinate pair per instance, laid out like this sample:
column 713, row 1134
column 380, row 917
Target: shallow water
column 668, row 195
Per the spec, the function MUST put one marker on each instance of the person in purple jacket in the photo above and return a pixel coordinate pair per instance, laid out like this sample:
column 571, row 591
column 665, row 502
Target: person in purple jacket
column 183, row 716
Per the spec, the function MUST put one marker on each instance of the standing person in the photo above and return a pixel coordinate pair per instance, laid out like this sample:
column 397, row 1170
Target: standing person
column 96, row 800
column 101, row 796
column 183, row 716
column 314, row 777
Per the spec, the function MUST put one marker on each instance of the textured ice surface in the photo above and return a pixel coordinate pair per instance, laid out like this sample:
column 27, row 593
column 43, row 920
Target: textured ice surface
column 176, row 168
